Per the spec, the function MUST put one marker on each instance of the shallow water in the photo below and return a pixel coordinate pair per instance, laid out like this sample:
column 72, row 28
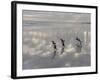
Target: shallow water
column 40, row 28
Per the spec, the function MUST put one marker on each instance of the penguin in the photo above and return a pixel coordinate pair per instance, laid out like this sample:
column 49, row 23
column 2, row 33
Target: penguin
column 63, row 45
column 55, row 49
column 78, row 45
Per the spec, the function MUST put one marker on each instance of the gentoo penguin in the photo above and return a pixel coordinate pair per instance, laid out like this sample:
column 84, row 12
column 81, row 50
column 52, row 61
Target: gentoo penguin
column 63, row 45
column 78, row 45
column 55, row 49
